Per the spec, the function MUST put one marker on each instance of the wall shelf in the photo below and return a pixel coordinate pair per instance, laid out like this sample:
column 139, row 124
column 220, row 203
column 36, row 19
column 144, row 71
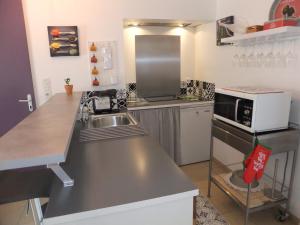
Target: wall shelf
column 277, row 34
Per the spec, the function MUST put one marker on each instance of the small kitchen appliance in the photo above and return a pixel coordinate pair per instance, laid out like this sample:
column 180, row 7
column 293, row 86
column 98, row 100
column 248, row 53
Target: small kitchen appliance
column 104, row 103
column 253, row 109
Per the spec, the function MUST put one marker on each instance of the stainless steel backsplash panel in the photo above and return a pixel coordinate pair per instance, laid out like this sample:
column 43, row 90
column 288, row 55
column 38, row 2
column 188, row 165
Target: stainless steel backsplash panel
column 157, row 65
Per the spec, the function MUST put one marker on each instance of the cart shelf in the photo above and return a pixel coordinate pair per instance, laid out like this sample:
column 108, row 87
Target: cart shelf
column 257, row 199
column 282, row 141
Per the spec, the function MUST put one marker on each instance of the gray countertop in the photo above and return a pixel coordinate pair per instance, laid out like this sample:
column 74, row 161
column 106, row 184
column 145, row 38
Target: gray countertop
column 139, row 105
column 115, row 172
column 43, row 137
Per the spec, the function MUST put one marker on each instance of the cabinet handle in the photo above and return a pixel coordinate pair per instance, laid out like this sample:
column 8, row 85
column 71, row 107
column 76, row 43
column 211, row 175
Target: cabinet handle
column 206, row 110
column 197, row 113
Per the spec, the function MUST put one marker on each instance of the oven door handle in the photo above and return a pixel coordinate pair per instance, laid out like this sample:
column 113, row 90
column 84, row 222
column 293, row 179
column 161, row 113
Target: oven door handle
column 237, row 103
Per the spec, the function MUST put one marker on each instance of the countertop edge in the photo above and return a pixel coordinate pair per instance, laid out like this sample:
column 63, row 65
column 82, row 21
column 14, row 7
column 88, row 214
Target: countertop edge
column 47, row 159
column 183, row 104
column 120, row 208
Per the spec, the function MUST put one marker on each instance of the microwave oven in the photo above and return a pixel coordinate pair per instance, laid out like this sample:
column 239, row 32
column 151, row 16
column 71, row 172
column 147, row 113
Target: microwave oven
column 253, row 109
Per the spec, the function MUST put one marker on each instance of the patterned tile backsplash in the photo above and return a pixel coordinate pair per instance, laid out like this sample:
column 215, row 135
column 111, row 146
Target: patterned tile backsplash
column 188, row 88
column 208, row 91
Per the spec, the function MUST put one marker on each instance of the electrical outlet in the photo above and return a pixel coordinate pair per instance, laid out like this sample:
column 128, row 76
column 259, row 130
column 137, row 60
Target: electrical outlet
column 47, row 88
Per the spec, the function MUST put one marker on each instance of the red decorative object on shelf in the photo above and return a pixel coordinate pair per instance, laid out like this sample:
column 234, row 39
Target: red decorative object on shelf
column 280, row 23
column 96, row 82
column 283, row 13
column 94, row 59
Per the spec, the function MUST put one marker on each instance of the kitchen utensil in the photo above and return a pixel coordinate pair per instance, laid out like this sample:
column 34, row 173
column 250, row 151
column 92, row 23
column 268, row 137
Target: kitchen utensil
column 71, row 39
column 57, row 45
column 57, row 32
column 72, row 51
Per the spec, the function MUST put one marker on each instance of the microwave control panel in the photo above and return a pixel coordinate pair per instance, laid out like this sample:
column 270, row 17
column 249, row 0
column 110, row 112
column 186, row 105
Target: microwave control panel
column 245, row 112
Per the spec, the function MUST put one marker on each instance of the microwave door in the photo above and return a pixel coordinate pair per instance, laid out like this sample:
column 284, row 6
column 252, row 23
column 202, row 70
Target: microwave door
column 237, row 111
column 225, row 106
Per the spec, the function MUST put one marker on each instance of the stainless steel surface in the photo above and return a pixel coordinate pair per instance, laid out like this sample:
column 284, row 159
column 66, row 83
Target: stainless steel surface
column 237, row 180
column 247, row 212
column 115, row 172
column 275, row 178
column 157, row 64
column 111, row 120
column 238, row 142
column 61, row 174
column 138, row 105
column 110, row 126
column 273, row 194
column 292, row 180
column 192, row 24
column 85, row 102
column 111, row 133
column 280, row 141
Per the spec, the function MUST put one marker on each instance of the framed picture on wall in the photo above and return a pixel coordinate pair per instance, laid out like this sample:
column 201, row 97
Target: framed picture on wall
column 63, row 41
column 223, row 31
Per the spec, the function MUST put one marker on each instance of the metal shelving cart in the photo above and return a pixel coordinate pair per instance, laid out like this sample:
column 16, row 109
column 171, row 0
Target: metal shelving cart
column 273, row 192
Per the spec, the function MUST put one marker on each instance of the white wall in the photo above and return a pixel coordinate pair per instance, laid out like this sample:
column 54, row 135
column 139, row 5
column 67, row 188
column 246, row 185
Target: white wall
column 187, row 48
column 215, row 64
column 100, row 20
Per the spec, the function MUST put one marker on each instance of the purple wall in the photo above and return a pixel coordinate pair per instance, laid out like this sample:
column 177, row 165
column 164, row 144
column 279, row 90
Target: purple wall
column 15, row 74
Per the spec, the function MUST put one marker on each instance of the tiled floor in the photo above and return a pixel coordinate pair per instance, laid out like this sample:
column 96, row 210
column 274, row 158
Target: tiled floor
column 229, row 209
column 15, row 213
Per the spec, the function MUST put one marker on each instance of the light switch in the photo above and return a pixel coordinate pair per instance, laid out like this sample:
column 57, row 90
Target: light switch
column 47, row 88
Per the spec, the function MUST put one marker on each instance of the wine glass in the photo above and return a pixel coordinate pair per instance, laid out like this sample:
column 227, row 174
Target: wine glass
column 291, row 57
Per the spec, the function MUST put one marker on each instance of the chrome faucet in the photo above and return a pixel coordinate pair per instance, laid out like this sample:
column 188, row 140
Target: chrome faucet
column 85, row 103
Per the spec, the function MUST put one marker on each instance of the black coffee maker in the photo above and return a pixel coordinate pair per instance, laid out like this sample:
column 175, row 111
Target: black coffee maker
column 106, row 101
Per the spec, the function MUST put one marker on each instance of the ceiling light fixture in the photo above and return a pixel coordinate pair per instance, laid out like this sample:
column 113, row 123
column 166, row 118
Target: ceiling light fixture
column 133, row 25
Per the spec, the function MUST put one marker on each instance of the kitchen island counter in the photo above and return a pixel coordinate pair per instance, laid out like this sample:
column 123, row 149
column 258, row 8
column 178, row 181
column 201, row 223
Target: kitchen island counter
column 115, row 176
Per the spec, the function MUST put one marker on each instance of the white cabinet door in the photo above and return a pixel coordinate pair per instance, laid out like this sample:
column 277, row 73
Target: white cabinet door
column 195, row 132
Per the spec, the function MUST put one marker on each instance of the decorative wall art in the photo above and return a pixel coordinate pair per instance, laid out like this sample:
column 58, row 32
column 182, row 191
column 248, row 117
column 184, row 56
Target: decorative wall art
column 223, row 31
column 283, row 13
column 63, row 41
column 103, row 64
column 285, row 9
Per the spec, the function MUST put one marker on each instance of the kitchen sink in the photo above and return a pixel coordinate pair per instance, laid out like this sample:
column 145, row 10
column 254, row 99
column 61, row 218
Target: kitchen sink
column 111, row 120
column 109, row 126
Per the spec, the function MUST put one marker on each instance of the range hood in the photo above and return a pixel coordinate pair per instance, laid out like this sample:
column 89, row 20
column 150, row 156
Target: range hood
column 160, row 23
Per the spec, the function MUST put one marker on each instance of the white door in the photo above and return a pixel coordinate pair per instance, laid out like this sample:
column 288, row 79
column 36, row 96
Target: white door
column 195, row 129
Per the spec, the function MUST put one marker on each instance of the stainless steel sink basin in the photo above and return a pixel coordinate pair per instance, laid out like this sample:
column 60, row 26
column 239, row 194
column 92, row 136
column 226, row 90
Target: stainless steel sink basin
column 111, row 120
column 110, row 126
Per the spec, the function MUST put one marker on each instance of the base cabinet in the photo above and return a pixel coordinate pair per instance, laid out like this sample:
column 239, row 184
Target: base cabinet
column 184, row 132
column 195, row 133
column 176, row 212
